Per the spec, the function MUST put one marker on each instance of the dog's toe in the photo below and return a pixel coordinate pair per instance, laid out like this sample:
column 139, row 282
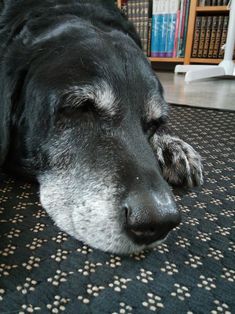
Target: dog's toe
column 180, row 163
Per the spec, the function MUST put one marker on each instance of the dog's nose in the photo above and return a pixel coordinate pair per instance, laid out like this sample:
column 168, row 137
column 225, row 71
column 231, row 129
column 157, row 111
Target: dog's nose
column 150, row 218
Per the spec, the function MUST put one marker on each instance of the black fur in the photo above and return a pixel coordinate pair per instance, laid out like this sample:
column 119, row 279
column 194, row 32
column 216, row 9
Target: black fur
column 79, row 104
column 33, row 74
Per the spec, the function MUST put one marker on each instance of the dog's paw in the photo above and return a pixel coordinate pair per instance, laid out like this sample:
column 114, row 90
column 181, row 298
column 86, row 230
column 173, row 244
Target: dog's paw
column 180, row 163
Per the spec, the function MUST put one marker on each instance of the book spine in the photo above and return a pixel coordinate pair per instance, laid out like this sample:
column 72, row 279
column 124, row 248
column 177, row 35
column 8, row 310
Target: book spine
column 140, row 6
column 180, row 26
column 196, row 36
column 145, row 25
column 156, row 20
column 201, row 3
column 137, row 18
column 202, row 36
column 171, row 28
column 218, row 37
column 176, row 31
column 163, row 30
column 223, row 36
column 124, row 7
column 129, row 11
column 149, row 37
column 214, row 2
column 213, row 36
column 185, row 28
column 207, row 37
column 149, row 27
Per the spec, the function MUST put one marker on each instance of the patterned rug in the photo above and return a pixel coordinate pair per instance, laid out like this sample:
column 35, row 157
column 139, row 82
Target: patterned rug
column 43, row 270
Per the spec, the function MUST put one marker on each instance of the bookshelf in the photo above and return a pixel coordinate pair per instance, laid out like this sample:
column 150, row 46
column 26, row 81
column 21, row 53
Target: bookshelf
column 179, row 60
column 205, row 61
column 211, row 9
column 194, row 11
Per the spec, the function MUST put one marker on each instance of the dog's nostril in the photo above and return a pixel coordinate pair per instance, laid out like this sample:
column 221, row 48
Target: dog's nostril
column 126, row 209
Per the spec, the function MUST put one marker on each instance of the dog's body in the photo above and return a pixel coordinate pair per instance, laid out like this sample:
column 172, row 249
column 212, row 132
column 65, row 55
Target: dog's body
column 82, row 111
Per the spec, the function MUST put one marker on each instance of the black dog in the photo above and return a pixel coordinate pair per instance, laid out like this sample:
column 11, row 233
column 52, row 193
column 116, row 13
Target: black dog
column 83, row 112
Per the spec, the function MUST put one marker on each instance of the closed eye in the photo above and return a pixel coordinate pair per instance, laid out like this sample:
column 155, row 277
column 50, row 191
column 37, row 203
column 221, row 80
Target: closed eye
column 87, row 106
column 152, row 126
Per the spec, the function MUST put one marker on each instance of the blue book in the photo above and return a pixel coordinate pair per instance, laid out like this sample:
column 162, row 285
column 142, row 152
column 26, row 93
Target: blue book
column 162, row 34
column 155, row 35
column 171, row 29
column 163, row 29
column 156, row 25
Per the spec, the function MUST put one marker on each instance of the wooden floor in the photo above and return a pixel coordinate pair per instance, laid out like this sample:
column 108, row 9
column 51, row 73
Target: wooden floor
column 213, row 93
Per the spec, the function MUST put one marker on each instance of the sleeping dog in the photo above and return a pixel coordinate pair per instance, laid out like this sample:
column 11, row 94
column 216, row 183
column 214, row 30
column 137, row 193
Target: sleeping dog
column 82, row 111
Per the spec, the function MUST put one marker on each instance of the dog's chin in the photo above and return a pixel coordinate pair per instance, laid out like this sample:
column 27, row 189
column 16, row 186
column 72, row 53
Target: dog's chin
column 123, row 247
column 157, row 243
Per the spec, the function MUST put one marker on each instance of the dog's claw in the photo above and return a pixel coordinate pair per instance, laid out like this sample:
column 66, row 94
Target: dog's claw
column 180, row 163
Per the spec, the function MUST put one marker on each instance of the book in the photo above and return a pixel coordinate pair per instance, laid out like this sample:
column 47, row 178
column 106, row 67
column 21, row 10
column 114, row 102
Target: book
column 223, row 36
column 177, row 30
column 145, row 21
column 218, row 37
column 185, row 28
column 138, row 13
column 149, row 28
column 124, row 7
column 142, row 23
column 137, row 18
column 156, row 27
column 129, row 10
column 163, row 29
column 213, row 35
column 171, row 29
column 202, row 36
column 180, row 26
column 207, row 37
column 196, row 36
column 202, row 3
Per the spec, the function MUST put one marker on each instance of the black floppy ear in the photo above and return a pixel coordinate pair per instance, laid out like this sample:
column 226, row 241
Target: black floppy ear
column 5, row 119
column 10, row 88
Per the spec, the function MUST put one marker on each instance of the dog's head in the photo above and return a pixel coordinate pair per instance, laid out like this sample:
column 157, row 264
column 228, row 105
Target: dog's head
column 86, row 113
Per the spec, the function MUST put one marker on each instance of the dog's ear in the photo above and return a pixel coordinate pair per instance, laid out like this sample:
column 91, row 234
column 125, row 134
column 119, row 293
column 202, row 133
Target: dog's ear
column 5, row 118
column 10, row 89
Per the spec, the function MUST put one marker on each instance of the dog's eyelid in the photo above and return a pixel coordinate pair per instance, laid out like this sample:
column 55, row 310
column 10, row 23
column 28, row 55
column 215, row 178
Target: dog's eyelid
column 156, row 122
column 101, row 94
column 84, row 105
column 150, row 127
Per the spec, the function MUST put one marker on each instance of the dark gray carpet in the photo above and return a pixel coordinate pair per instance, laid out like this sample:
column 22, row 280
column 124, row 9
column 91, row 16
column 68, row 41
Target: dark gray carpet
column 43, row 270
